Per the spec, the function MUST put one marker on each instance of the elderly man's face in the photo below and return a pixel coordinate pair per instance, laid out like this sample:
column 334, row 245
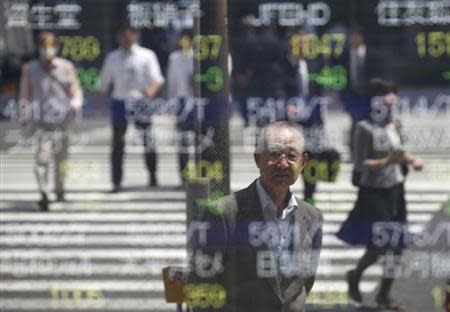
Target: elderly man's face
column 282, row 160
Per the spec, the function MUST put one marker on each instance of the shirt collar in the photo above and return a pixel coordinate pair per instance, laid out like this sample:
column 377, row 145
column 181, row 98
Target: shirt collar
column 268, row 206
column 360, row 51
column 132, row 49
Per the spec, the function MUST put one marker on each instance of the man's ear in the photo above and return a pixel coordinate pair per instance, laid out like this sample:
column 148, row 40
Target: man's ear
column 305, row 158
column 256, row 158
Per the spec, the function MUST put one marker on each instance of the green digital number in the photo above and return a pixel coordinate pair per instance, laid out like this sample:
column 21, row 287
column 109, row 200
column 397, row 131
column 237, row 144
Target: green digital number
column 213, row 78
column 334, row 77
column 89, row 78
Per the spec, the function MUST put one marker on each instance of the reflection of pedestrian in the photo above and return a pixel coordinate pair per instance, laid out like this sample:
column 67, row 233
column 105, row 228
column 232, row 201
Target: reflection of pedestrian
column 266, row 73
column 180, row 86
column 361, row 64
column 378, row 219
column 264, row 240
column 242, row 48
column 297, row 85
column 133, row 71
column 49, row 95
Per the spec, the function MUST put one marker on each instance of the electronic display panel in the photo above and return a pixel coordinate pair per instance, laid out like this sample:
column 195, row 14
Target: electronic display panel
column 138, row 213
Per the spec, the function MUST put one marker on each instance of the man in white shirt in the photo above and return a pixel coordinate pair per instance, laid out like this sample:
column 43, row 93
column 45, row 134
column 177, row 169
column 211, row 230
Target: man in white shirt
column 134, row 73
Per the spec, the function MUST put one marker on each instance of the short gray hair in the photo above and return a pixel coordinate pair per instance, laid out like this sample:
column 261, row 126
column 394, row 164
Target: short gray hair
column 278, row 125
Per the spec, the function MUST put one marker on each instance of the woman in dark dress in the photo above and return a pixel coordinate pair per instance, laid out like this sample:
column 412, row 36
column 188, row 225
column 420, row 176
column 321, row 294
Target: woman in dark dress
column 378, row 220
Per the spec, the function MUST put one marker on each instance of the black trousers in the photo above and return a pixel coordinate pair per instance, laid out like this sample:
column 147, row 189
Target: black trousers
column 309, row 188
column 183, row 152
column 118, row 145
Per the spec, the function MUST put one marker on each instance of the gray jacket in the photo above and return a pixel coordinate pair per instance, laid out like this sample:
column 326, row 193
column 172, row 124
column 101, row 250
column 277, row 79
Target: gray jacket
column 246, row 273
column 372, row 141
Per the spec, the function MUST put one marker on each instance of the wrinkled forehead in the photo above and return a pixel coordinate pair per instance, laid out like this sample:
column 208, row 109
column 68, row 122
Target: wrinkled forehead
column 285, row 139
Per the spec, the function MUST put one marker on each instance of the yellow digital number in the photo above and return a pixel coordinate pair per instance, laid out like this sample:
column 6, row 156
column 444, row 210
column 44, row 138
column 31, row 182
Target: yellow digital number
column 311, row 46
column 54, row 293
column 448, row 44
column 207, row 46
column 92, row 46
column 204, row 168
column 295, row 46
column 64, row 42
column 437, row 296
column 435, row 44
column 204, row 295
column 216, row 42
column 316, row 170
column 76, row 49
column 75, row 295
column 326, row 46
column 421, row 45
column 202, row 292
column 217, row 296
column 310, row 176
column 80, row 48
column 94, row 294
column 340, row 43
column 335, row 169
column 200, row 46
column 188, row 291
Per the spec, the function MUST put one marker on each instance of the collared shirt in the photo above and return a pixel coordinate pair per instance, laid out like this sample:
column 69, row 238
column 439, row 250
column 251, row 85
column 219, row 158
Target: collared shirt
column 54, row 90
column 180, row 74
column 282, row 223
column 357, row 59
column 304, row 77
column 130, row 72
column 374, row 142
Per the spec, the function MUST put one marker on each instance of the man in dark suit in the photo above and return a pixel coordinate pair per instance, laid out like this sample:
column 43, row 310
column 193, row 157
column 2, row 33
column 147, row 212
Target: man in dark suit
column 262, row 243
column 361, row 63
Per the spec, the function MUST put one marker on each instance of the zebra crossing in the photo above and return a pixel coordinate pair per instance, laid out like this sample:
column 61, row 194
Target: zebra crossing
column 105, row 252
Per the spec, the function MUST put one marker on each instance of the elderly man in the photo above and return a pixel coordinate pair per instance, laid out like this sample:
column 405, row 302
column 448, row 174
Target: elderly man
column 49, row 96
column 262, row 244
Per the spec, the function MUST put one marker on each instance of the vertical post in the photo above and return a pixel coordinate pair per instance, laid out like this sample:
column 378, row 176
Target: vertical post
column 197, row 193
column 211, row 53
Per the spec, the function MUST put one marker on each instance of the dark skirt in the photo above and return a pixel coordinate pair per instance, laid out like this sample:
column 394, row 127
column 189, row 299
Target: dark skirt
column 378, row 219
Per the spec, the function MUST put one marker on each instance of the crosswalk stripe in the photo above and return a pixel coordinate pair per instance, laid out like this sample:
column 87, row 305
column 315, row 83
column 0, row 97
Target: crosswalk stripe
column 125, row 216
column 102, row 304
column 79, row 227
column 154, row 195
column 327, row 227
column 150, row 240
column 133, row 285
column 178, row 205
column 140, row 253
column 128, row 268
